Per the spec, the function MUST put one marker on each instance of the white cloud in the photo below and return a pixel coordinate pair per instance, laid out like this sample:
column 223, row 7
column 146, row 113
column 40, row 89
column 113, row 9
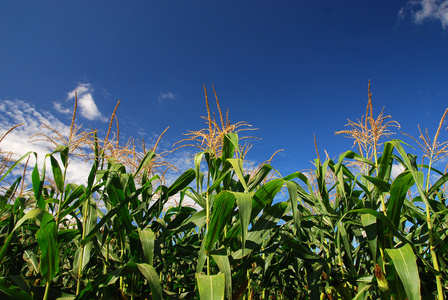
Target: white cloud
column 425, row 10
column 396, row 170
column 18, row 141
column 168, row 95
column 59, row 108
column 86, row 103
column 89, row 110
column 187, row 201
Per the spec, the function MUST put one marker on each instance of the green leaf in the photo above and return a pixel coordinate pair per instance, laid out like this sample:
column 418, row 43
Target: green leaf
column 441, row 181
column 410, row 165
column 37, row 186
column 74, row 194
column 83, row 253
column 222, row 210
column 264, row 195
column 32, row 261
column 181, row 182
column 63, row 151
column 404, row 262
column 383, row 219
column 362, row 290
column 5, row 246
column 398, row 191
column 47, row 238
column 258, row 178
column 197, row 169
column 211, row 287
column 196, row 220
column 230, row 144
column 17, row 163
column 369, row 224
column 147, row 240
column 222, row 260
column 153, row 279
column 237, row 165
column 263, row 228
column 145, row 161
column 292, row 190
column 12, row 292
column 112, row 213
column 39, row 214
column 381, row 185
column 244, row 203
column 57, row 174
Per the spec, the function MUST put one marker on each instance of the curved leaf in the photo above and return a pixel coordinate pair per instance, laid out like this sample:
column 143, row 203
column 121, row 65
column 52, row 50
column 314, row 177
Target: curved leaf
column 153, row 279
column 223, row 207
column 405, row 263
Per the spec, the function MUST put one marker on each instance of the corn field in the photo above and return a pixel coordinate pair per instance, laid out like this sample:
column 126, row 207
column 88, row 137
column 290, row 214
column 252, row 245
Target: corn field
column 347, row 229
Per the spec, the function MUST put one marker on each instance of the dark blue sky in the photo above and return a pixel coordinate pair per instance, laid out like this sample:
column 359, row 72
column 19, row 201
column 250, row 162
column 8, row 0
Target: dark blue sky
column 291, row 68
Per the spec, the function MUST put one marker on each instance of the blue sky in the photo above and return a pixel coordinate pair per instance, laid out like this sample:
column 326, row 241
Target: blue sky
column 290, row 68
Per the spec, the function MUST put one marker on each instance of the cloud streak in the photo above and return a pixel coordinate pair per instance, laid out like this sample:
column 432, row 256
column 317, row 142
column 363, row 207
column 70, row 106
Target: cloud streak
column 168, row 95
column 426, row 10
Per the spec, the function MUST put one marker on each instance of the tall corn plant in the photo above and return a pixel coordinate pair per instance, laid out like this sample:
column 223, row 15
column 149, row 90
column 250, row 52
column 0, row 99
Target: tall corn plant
column 347, row 230
column 67, row 222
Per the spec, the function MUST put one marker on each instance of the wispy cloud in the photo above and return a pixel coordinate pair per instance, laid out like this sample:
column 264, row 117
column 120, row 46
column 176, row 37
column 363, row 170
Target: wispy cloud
column 164, row 96
column 426, row 10
column 18, row 141
column 59, row 108
column 86, row 103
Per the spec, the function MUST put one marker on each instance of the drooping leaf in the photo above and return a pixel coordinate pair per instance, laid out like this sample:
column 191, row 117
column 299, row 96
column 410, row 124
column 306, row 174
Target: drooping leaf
column 259, row 177
column 380, row 184
column 16, row 163
column 237, row 165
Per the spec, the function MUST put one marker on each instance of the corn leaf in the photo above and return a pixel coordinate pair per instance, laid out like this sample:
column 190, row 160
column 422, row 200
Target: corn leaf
column 398, row 191
column 57, row 174
column 222, row 210
column 222, row 260
column 404, row 262
column 147, row 240
column 12, row 292
column 244, row 203
column 47, row 238
column 153, row 279
column 211, row 287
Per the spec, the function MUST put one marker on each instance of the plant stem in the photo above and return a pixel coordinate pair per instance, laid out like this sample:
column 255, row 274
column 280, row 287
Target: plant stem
column 207, row 210
column 435, row 261
column 47, row 290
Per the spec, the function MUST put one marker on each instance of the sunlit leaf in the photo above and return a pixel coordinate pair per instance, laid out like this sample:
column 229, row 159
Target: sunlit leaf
column 211, row 287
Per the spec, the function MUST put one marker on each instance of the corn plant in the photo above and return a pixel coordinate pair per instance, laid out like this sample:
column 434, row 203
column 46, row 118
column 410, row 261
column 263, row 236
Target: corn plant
column 347, row 229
